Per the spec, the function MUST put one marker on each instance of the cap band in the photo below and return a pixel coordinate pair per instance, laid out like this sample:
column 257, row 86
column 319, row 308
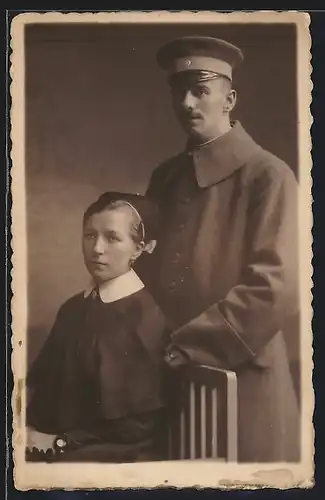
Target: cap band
column 201, row 63
column 193, row 77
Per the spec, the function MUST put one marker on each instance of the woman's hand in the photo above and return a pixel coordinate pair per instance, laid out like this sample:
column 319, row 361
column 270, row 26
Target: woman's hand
column 39, row 440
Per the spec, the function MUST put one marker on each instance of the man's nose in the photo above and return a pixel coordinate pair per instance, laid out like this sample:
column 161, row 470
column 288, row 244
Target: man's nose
column 188, row 100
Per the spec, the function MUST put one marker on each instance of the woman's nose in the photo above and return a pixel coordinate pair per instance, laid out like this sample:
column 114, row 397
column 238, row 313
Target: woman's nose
column 98, row 246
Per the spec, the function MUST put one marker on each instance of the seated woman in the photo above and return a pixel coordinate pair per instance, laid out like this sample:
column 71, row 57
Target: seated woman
column 97, row 384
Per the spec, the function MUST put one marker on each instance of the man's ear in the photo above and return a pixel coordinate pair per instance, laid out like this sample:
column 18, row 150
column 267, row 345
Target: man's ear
column 230, row 102
column 150, row 246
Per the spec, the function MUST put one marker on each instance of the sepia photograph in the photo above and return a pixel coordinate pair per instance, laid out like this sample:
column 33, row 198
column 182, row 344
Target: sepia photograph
column 162, row 246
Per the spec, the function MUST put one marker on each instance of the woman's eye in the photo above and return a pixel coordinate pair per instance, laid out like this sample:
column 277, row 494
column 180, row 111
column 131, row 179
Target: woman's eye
column 112, row 238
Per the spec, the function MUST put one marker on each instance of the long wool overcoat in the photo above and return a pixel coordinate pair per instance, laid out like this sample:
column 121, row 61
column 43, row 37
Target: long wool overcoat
column 225, row 275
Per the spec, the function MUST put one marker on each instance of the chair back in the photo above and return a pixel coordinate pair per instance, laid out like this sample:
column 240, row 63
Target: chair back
column 204, row 422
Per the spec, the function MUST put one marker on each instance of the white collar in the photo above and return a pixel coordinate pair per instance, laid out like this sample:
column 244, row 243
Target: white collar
column 117, row 288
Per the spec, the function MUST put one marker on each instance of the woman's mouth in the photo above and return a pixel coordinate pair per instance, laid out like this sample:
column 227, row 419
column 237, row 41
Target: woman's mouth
column 98, row 263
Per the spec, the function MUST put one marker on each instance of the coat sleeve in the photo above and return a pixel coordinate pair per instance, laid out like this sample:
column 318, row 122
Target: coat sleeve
column 238, row 327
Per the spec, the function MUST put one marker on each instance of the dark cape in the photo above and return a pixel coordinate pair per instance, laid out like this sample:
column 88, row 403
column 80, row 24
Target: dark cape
column 99, row 377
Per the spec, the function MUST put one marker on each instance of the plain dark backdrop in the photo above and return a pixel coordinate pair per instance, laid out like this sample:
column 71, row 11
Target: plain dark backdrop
column 99, row 117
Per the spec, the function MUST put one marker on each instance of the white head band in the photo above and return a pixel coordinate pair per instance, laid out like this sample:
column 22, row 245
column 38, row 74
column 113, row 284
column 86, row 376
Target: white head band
column 140, row 218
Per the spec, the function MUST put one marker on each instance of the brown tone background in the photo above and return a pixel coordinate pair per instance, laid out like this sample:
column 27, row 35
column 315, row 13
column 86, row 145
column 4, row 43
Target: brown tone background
column 98, row 117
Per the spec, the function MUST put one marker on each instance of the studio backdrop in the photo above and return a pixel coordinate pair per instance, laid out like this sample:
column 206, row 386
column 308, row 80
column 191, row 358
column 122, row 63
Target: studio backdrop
column 99, row 117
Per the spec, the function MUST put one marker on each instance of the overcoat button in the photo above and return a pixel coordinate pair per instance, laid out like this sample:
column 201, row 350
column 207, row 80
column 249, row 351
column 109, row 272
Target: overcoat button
column 176, row 258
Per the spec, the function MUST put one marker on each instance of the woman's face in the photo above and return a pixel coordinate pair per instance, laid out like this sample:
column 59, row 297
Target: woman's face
column 107, row 244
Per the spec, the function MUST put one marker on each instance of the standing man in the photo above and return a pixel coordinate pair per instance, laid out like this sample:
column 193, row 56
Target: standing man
column 225, row 266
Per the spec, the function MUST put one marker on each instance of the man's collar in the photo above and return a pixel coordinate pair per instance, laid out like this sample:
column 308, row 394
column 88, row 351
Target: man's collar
column 117, row 288
column 218, row 159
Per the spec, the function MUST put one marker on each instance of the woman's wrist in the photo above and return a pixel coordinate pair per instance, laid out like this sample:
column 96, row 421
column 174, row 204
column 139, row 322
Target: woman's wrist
column 61, row 443
column 73, row 440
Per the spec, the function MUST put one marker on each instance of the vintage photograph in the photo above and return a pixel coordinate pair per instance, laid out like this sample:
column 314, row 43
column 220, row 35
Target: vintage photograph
column 162, row 239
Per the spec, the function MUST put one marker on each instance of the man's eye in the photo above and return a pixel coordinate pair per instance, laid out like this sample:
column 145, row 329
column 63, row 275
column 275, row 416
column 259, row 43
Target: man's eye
column 89, row 236
column 199, row 92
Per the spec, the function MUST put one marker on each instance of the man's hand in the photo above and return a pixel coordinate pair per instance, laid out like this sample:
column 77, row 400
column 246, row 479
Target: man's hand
column 175, row 357
column 39, row 440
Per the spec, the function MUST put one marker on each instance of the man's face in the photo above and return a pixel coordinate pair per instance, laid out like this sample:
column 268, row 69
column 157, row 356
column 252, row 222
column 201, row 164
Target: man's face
column 199, row 106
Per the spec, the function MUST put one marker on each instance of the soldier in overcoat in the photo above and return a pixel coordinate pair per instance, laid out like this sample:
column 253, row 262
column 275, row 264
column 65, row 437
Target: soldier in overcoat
column 225, row 269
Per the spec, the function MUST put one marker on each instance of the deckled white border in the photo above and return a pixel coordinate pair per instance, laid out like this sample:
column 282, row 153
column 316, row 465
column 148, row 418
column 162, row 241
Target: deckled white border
column 198, row 474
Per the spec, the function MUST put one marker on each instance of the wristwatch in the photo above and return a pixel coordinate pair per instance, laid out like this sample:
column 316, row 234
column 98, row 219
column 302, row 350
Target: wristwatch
column 60, row 443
